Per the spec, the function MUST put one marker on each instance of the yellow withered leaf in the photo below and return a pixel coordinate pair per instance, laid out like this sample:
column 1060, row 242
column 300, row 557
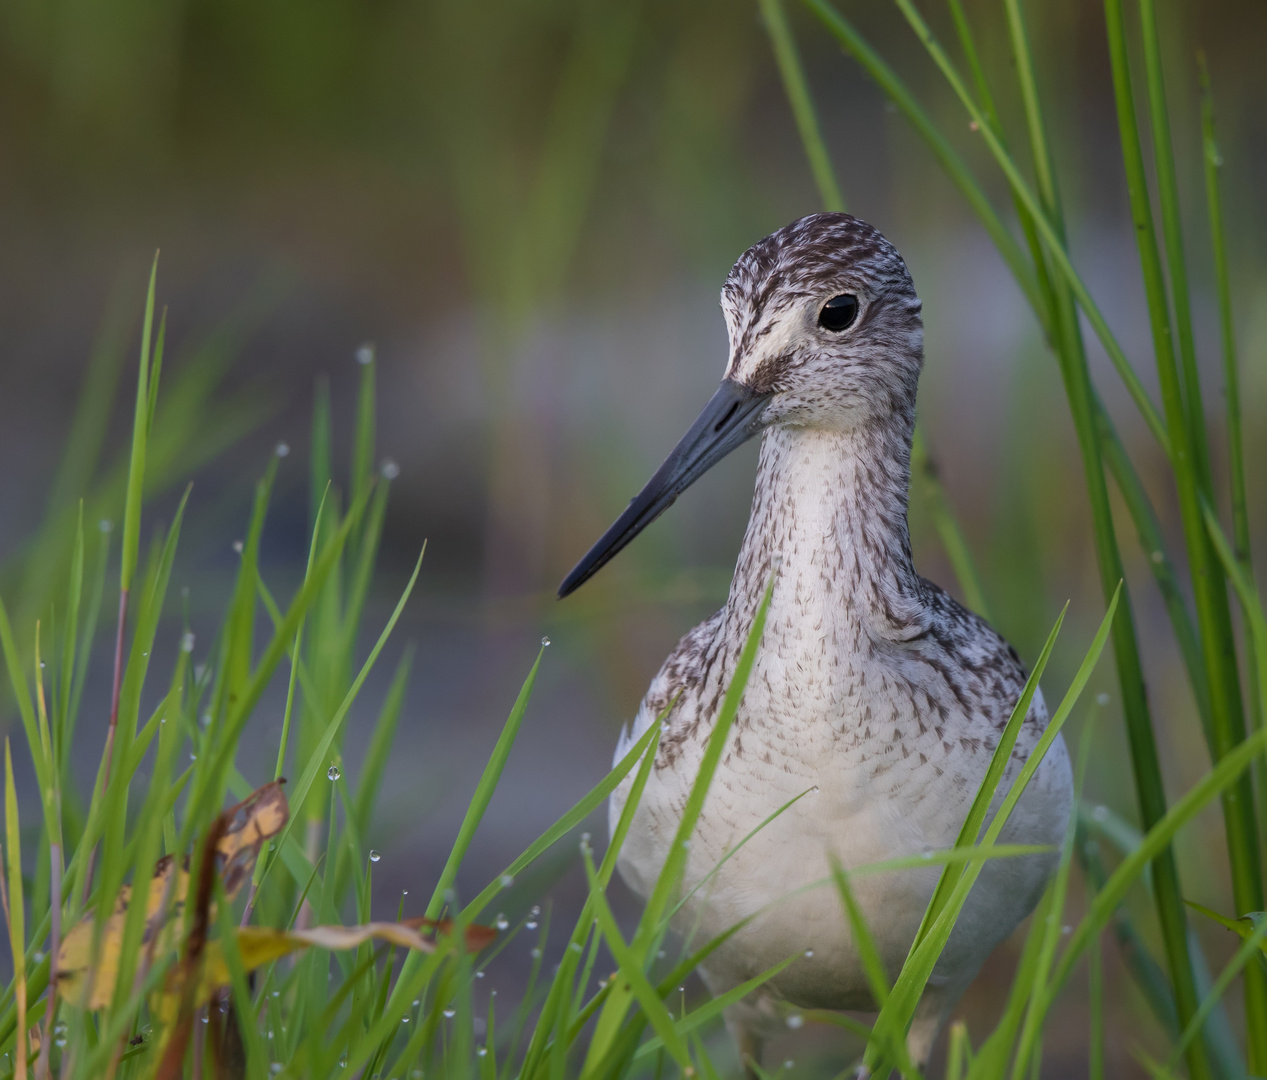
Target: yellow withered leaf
column 247, row 827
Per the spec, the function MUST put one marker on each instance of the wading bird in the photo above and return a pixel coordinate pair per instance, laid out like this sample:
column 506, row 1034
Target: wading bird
column 872, row 688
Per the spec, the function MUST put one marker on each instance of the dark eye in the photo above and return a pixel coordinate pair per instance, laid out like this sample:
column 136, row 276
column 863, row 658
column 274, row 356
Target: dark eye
column 839, row 312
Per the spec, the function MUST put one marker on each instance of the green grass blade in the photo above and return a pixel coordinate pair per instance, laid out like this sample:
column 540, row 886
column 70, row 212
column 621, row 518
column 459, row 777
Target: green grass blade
column 140, row 435
column 484, row 790
column 318, row 757
column 970, row 830
column 371, row 776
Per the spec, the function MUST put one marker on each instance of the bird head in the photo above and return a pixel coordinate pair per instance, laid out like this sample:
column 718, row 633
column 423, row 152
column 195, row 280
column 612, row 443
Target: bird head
column 825, row 323
column 825, row 331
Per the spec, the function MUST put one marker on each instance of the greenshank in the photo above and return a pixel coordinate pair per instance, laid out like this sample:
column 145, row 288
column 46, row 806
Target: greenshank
column 872, row 689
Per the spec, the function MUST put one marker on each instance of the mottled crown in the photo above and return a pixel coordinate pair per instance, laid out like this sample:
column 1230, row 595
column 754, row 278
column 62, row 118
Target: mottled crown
column 772, row 298
column 809, row 254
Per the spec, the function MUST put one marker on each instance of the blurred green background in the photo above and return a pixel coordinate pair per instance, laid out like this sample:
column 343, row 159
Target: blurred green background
column 529, row 207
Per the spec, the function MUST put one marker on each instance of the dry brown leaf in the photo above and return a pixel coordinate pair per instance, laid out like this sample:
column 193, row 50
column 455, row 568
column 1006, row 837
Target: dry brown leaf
column 246, row 828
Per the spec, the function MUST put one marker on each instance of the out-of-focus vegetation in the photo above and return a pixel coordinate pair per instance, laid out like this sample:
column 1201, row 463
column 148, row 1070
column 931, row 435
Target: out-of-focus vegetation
column 530, row 206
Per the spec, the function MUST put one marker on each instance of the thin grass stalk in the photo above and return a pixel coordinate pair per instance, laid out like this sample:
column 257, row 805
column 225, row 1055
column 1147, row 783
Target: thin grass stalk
column 796, row 87
column 1213, row 163
column 1172, row 236
column 1208, row 582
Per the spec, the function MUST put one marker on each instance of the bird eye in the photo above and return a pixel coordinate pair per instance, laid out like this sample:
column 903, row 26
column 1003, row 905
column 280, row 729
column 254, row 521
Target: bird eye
column 839, row 312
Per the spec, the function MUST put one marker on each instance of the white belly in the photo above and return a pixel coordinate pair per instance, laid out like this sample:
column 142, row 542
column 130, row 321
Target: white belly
column 866, row 810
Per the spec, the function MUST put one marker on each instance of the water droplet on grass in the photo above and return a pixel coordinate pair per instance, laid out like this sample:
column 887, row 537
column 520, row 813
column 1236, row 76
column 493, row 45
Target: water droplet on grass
column 481, row 1051
column 545, row 641
column 374, row 855
column 501, row 922
column 238, row 546
column 795, row 1020
column 365, row 354
column 187, row 641
column 333, row 773
column 809, row 953
column 507, row 880
column 282, row 449
column 450, row 1013
column 389, row 469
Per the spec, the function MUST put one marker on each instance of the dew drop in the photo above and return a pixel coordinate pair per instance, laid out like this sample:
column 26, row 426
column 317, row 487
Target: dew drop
column 404, row 892
column 1100, row 813
column 282, row 449
column 374, row 855
column 789, row 1063
column 536, row 953
column 404, row 1019
column 795, row 1020
column 389, row 470
column 105, row 525
column 450, row 1013
column 60, row 1040
column 575, row 946
column 187, row 641
column 333, row 773
column 1102, row 699
column 193, row 757
column 479, row 974
column 277, row 993
column 417, row 1002
column 501, row 922
column 507, row 880
column 275, row 1068
column 365, row 354
column 809, row 953
column 545, row 641
column 237, row 546
column 531, row 924
column 481, row 1051
column 43, row 664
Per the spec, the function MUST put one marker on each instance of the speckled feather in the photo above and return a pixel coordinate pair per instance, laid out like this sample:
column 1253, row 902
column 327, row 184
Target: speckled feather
column 872, row 687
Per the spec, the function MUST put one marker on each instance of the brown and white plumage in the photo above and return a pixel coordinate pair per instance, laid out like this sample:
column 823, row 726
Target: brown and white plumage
column 872, row 687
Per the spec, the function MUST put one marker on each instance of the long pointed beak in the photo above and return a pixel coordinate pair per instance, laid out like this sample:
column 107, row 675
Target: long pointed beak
column 730, row 419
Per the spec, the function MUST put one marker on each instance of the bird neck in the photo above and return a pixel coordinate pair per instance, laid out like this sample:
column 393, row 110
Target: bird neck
column 829, row 522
